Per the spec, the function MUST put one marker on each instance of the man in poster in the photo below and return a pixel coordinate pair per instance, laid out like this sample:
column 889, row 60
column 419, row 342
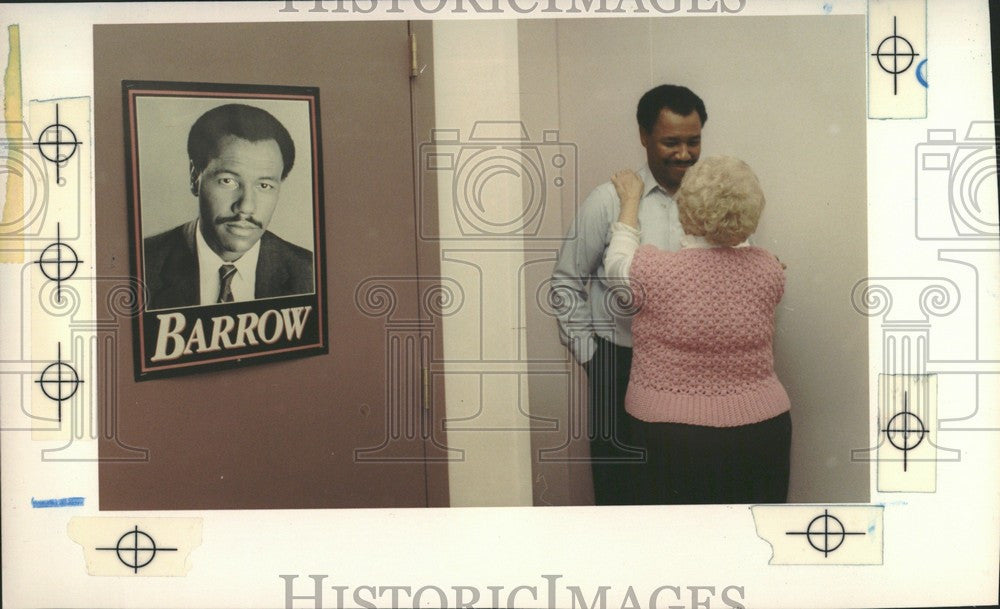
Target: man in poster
column 239, row 155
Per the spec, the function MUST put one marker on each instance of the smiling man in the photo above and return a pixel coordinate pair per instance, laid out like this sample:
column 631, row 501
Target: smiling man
column 592, row 319
column 239, row 158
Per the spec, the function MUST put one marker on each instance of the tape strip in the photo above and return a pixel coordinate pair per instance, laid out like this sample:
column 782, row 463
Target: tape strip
column 908, row 424
column 897, row 59
column 63, row 328
column 821, row 535
column 11, row 167
column 136, row 547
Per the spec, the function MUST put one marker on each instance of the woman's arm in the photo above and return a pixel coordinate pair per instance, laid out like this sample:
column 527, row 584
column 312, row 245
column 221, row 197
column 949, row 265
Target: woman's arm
column 625, row 232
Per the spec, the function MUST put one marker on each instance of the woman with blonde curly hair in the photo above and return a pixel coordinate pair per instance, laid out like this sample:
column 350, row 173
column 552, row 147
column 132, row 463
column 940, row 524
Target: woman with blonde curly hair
column 706, row 404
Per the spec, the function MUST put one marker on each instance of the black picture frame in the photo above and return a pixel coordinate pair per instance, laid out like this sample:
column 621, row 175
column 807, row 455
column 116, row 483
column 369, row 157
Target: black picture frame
column 176, row 331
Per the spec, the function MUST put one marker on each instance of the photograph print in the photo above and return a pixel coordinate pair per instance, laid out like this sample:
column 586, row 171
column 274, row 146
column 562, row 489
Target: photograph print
column 226, row 208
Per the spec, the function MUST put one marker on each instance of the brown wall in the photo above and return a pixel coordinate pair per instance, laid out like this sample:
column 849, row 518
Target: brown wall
column 279, row 435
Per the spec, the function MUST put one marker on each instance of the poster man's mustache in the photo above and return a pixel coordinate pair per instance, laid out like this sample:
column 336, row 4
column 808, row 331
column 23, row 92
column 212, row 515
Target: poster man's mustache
column 239, row 218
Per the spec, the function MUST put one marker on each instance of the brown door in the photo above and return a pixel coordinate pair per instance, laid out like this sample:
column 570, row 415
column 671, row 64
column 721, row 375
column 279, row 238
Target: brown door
column 346, row 429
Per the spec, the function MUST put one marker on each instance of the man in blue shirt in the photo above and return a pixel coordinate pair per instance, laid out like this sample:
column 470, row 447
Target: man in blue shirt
column 594, row 320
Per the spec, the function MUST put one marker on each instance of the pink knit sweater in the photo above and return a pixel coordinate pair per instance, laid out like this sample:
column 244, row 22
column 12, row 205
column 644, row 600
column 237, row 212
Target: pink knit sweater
column 703, row 338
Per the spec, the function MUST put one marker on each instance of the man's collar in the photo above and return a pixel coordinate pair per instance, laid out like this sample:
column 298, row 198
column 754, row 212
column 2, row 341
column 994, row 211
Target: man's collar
column 246, row 265
column 649, row 183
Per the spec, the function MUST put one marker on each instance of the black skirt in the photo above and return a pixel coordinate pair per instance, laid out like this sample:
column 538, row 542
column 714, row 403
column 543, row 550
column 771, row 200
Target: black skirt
column 694, row 464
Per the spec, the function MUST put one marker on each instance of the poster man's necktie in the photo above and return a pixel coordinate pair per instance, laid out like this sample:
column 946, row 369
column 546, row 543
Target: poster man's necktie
column 226, row 274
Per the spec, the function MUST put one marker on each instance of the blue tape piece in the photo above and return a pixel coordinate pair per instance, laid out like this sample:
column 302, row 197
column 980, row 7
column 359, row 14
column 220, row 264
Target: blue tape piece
column 922, row 73
column 61, row 502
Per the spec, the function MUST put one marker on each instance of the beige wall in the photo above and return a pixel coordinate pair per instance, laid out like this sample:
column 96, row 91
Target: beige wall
column 779, row 96
column 486, row 404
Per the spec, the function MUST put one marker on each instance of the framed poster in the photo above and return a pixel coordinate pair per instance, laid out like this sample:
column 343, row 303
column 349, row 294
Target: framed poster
column 226, row 214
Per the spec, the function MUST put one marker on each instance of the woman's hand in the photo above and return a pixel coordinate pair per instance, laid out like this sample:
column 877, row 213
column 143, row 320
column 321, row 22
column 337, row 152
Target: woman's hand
column 629, row 187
